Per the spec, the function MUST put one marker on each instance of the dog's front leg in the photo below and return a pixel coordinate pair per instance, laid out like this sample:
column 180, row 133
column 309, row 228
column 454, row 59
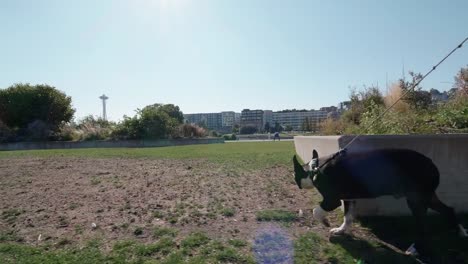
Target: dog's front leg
column 348, row 219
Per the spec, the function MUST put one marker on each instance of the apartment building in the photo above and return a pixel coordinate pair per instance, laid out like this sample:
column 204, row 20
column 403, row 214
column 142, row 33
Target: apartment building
column 252, row 118
column 221, row 122
column 212, row 121
column 296, row 118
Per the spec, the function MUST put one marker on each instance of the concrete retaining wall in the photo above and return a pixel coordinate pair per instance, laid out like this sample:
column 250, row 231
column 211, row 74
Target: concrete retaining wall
column 449, row 153
column 107, row 144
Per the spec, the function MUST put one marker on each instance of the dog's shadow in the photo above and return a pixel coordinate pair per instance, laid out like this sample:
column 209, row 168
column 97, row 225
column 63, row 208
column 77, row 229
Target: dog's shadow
column 370, row 252
column 395, row 234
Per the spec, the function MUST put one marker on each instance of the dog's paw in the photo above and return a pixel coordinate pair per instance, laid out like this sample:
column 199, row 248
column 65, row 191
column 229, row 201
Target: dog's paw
column 411, row 251
column 462, row 232
column 338, row 231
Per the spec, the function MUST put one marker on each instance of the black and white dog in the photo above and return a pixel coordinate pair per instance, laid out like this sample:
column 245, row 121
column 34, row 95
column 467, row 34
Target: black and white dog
column 370, row 174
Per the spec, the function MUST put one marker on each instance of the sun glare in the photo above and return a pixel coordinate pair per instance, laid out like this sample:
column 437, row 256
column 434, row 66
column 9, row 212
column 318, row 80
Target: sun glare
column 160, row 13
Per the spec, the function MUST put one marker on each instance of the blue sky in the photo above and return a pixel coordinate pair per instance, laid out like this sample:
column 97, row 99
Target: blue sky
column 215, row 55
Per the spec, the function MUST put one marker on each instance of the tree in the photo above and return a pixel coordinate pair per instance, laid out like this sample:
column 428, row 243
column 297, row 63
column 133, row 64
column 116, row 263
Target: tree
column 171, row 110
column 152, row 122
column 416, row 97
column 288, row 128
column 461, row 81
column 159, row 120
column 278, row 127
column 248, row 130
column 23, row 105
column 305, row 124
column 235, row 128
column 267, row 127
column 362, row 101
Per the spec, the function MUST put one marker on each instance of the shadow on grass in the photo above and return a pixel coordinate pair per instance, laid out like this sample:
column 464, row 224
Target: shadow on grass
column 445, row 244
column 370, row 252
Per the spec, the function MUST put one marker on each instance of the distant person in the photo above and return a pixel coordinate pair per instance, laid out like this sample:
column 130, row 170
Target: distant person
column 276, row 136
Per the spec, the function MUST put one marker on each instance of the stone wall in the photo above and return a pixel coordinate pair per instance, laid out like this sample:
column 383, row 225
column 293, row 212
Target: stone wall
column 107, row 144
column 449, row 153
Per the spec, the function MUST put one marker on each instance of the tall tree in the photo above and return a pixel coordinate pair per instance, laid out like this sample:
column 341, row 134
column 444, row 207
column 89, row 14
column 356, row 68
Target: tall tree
column 23, row 104
column 416, row 97
column 362, row 101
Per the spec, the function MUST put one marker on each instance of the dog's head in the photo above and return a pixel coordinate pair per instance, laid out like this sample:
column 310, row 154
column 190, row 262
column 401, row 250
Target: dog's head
column 304, row 174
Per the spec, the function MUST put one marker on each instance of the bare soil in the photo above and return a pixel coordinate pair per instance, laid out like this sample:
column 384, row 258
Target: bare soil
column 61, row 198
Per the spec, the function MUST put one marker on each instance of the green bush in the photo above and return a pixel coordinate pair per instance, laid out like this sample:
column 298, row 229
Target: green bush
column 34, row 112
column 229, row 137
column 152, row 122
column 453, row 115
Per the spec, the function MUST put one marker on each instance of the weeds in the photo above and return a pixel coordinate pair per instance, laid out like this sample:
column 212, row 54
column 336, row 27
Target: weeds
column 160, row 232
column 11, row 215
column 276, row 215
column 228, row 212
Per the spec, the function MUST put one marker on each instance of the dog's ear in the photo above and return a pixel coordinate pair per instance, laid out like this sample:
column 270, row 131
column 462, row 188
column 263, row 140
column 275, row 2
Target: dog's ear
column 315, row 157
column 299, row 171
column 314, row 154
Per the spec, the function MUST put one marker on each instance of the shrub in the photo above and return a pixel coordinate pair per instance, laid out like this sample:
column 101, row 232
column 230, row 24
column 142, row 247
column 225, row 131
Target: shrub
column 152, row 122
column 229, row 137
column 228, row 212
column 6, row 134
column 214, row 133
column 26, row 107
column 190, row 130
column 68, row 133
column 248, row 130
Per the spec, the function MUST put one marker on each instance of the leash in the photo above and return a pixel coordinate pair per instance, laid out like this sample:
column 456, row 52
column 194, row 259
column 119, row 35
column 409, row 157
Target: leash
column 339, row 153
column 409, row 90
column 342, row 151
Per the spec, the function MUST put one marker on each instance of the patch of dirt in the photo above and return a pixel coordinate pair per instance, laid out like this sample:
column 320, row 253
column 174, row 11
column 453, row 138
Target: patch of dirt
column 63, row 198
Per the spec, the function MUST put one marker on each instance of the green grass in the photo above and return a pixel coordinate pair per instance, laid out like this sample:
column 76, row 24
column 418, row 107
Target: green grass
column 228, row 212
column 196, row 248
column 195, row 240
column 276, row 215
column 248, row 155
column 159, row 232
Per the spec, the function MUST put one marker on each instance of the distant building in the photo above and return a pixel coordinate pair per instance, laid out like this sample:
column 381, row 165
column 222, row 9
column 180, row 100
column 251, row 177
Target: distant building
column 237, row 118
column 268, row 118
column 329, row 109
column 212, row 121
column 226, row 120
column 252, row 118
column 221, row 122
column 296, row 118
